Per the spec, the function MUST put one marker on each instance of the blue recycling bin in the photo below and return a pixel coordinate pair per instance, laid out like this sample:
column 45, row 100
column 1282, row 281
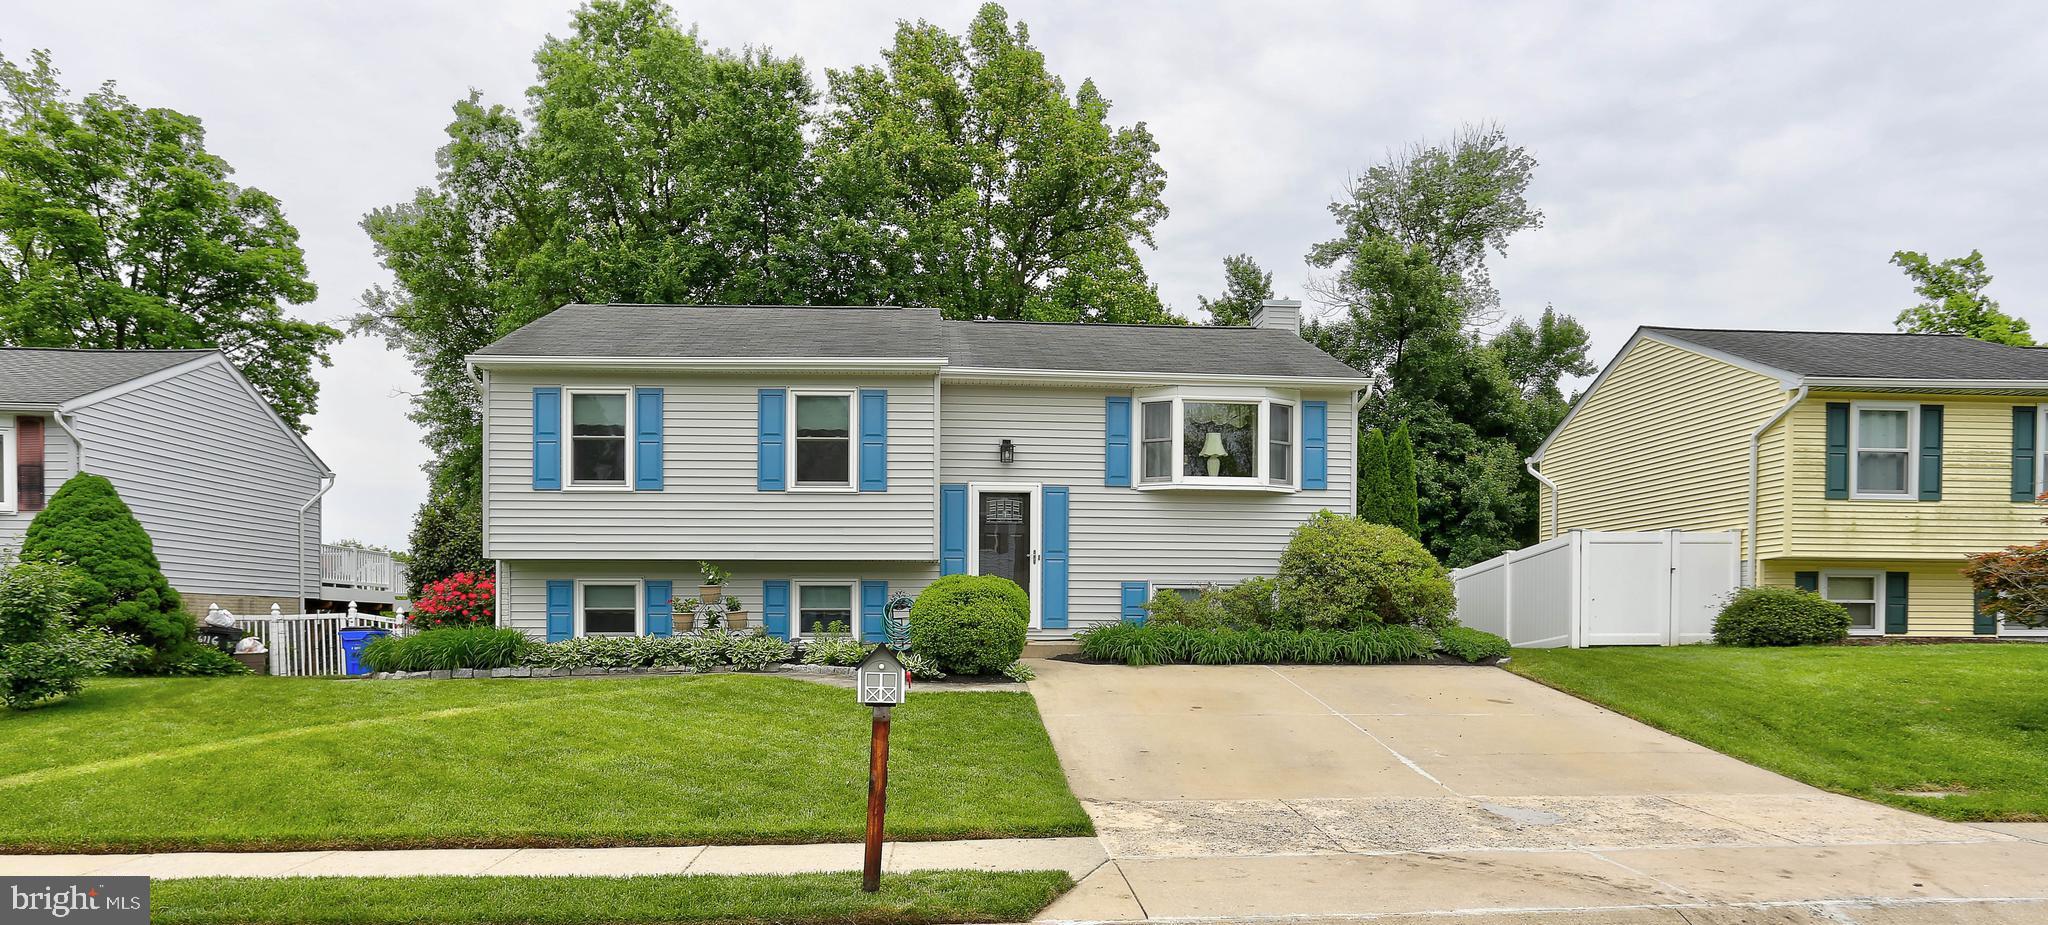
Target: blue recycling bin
column 353, row 639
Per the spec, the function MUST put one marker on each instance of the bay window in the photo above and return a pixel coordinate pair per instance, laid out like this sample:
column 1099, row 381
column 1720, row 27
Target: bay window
column 599, row 422
column 1217, row 438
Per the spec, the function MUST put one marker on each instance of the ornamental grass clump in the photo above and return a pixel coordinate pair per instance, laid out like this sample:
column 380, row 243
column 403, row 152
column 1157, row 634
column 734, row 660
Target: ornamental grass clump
column 1138, row 644
column 479, row 647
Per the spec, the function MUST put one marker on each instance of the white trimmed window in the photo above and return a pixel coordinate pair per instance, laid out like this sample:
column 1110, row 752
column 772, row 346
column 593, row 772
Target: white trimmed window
column 821, row 604
column 608, row 608
column 1882, row 437
column 9, row 503
column 1221, row 438
column 1862, row 593
column 821, row 455
column 600, row 443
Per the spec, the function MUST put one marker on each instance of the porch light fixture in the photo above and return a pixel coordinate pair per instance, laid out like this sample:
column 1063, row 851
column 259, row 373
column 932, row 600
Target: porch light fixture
column 1006, row 452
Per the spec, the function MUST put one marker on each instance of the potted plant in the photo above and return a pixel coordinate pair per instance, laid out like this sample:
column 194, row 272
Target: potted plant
column 735, row 613
column 715, row 579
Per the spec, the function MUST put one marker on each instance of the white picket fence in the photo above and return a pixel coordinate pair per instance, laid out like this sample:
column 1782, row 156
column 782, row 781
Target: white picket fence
column 1589, row 588
column 307, row 645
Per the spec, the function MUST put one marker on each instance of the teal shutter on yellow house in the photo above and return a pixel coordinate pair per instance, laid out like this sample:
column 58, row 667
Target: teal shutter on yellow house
column 2023, row 453
column 1895, row 602
column 1930, row 452
column 1838, row 450
column 1986, row 623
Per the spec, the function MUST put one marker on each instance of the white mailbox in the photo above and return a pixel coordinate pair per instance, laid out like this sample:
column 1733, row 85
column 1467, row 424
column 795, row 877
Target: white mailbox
column 881, row 680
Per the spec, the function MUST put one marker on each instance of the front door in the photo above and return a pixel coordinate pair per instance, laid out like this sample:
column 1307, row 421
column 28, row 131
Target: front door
column 1003, row 527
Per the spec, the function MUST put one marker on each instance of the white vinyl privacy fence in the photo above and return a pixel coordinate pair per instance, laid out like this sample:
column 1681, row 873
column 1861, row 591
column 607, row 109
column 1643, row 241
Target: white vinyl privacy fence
column 305, row 645
column 1589, row 588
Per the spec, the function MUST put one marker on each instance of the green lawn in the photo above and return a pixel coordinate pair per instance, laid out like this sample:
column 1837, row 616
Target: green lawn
column 1869, row 721
column 260, row 763
column 905, row 899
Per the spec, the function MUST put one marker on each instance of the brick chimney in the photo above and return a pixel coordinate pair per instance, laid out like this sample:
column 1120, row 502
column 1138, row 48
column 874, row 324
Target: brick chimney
column 1284, row 314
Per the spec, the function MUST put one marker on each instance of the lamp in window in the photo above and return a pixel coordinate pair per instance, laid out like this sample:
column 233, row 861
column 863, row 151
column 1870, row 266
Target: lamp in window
column 1006, row 452
column 1212, row 451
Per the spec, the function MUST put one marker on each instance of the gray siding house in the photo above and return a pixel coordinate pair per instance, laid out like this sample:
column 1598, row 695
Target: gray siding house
column 833, row 457
column 230, row 495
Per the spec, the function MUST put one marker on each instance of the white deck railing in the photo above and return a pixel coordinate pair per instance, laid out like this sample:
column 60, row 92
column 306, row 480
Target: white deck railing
column 305, row 645
column 353, row 567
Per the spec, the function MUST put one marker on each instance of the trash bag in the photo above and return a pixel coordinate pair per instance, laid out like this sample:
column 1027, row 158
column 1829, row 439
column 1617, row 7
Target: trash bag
column 250, row 645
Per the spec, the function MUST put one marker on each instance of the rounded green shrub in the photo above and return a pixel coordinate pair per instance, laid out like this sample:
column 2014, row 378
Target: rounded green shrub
column 1780, row 617
column 120, row 584
column 970, row 624
column 1467, row 644
column 1340, row 572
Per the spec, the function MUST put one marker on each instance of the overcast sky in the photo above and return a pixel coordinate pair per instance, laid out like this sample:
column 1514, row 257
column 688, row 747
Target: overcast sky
column 1713, row 164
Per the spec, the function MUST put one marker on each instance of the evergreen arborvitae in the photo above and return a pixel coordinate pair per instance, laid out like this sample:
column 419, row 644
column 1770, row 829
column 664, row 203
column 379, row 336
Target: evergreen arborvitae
column 120, row 584
column 1375, row 491
column 1404, row 507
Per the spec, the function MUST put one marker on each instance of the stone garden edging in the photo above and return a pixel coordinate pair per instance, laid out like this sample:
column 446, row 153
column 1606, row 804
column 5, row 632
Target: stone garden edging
column 445, row 674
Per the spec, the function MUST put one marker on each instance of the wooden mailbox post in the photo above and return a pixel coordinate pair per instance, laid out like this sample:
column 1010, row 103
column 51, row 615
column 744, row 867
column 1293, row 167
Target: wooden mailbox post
column 881, row 682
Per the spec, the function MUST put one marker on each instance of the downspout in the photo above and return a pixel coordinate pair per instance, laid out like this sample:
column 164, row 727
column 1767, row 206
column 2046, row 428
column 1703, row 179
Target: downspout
column 327, row 480
column 58, row 416
column 1541, row 479
column 1756, row 438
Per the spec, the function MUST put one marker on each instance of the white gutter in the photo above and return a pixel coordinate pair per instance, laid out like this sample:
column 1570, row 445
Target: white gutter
column 1756, row 438
column 58, row 416
column 490, row 361
column 1136, row 378
column 1855, row 383
column 328, row 483
column 1541, row 479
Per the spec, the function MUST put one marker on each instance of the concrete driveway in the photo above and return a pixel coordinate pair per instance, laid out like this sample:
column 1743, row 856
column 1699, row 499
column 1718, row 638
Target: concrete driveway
column 1248, row 793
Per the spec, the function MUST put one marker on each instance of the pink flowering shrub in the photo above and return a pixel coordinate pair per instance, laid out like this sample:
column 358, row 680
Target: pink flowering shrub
column 461, row 599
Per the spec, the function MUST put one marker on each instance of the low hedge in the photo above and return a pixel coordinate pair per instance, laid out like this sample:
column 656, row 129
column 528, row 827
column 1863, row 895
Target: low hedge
column 703, row 651
column 1467, row 644
column 1167, row 643
column 1780, row 617
column 447, row 648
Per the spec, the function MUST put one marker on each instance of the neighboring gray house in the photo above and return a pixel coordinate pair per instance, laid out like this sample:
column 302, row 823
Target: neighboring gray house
column 831, row 457
column 230, row 495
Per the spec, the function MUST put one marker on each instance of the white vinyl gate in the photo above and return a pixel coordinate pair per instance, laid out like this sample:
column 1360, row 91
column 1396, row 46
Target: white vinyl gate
column 308, row 645
column 1589, row 588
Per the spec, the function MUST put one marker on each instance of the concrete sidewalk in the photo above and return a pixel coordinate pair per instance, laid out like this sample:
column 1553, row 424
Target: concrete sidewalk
column 1077, row 856
column 1340, row 794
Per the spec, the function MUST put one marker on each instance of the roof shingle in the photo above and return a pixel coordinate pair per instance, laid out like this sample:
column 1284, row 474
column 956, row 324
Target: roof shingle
column 36, row 376
column 1848, row 355
column 700, row 331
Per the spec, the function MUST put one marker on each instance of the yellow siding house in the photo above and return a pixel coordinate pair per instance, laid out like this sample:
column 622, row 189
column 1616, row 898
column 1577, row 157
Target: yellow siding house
column 1862, row 466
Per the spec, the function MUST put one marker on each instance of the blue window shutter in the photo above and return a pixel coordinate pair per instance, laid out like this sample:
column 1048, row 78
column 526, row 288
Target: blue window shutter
column 661, row 614
column 773, row 456
column 1136, row 593
column 1053, row 570
column 1895, row 602
column 1315, row 444
column 547, row 439
column 2023, row 453
column 647, row 442
column 1836, row 486
column 561, row 609
column 952, row 530
column 1930, row 452
column 775, row 608
column 1116, row 440
column 874, row 440
column 874, row 611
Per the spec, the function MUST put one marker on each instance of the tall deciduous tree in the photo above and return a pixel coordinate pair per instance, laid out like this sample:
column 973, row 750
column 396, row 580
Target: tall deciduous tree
column 1245, row 287
column 119, row 230
column 960, row 174
column 1409, row 274
column 1955, row 300
column 647, row 167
